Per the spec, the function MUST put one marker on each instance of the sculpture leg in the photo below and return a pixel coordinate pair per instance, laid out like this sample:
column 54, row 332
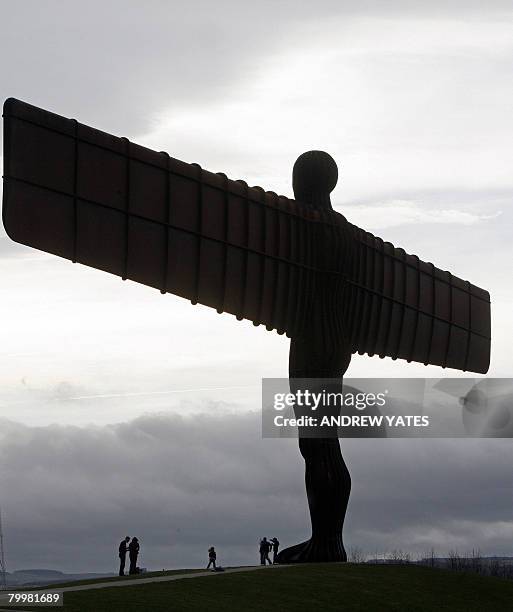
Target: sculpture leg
column 328, row 485
column 327, row 480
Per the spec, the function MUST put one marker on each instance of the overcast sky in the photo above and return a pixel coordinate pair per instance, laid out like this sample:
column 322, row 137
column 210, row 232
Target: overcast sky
column 102, row 382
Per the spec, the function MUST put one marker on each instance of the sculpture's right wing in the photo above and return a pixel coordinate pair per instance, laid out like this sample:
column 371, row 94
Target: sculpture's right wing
column 405, row 308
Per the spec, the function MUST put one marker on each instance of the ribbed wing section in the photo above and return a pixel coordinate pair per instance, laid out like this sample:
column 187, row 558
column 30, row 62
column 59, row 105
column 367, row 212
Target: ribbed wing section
column 108, row 203
column 405, row 308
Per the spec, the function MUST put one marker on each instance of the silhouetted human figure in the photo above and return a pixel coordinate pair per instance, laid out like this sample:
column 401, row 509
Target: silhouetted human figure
column 133, row 552
column 212, row 557
column 265, row 547
column 275, row 545
column 123, row 547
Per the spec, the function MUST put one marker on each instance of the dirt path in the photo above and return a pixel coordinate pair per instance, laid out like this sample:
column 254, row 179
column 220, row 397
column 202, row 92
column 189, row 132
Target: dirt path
column 135, row 581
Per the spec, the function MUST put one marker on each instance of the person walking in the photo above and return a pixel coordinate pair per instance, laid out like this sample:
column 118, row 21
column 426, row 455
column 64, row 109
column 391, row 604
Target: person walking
column 275, row 546
column 265, row 547
column 212, row 557
column 133, row 552
column 123, row 548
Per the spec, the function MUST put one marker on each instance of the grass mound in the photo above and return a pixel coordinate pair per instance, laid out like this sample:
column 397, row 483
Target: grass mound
column 303, row 588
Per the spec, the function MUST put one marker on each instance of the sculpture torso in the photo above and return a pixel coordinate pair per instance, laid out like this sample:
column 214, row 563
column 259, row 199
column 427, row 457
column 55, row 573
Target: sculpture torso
column 322, row 349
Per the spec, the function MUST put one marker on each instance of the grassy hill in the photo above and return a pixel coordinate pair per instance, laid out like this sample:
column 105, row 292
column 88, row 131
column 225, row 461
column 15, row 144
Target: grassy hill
column 325, row 587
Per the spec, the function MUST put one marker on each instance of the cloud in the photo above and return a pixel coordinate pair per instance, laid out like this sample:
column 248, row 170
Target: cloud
column 402, row 104
column 114, row 65
column 182, row 484
column 407, row 212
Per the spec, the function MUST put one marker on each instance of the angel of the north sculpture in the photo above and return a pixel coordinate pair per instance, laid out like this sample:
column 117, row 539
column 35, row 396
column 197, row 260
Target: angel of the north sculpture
column 295, row 266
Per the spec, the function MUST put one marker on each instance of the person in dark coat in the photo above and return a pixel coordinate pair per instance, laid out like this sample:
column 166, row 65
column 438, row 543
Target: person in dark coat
column 265, row 547
column 123, row 547
column 275, row 546
column 212, row 557
column 133, row 552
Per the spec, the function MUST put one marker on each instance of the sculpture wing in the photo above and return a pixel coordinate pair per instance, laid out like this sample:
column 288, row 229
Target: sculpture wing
column 105, row 202
column 405, row 308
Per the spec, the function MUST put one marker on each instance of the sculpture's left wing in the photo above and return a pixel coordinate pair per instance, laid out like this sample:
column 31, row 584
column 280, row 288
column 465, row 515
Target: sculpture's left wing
column 111, row 204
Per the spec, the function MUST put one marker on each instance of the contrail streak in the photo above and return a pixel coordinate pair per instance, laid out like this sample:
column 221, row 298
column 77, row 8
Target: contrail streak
column 143, row 393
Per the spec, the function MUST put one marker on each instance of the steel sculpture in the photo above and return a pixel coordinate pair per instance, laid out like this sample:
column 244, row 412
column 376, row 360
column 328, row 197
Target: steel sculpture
column 295, row 266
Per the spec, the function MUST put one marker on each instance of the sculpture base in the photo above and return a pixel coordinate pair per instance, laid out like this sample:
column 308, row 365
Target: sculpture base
column 316, row 550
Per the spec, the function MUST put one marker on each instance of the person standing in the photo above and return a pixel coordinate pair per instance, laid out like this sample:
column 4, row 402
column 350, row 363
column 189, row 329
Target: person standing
column 123, row 547
column 212, row 557
column 265, row 547
column 275, row 546
column 133, row 552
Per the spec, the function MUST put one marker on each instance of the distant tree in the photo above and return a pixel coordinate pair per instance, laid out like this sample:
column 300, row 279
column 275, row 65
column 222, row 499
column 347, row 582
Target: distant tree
column 356, row 555
column 476, row 561
column 495, row 567
column 396, row 556
column 432, row 558
column 454, row 560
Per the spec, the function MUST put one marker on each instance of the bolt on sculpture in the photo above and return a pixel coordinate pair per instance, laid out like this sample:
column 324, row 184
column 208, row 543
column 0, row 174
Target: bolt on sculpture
column 295, row 266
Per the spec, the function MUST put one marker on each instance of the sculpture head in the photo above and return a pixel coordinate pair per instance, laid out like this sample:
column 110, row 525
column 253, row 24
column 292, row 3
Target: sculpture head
column 314, row 177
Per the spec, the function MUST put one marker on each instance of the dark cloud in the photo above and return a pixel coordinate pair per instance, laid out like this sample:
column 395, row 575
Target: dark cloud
column 181, row 484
